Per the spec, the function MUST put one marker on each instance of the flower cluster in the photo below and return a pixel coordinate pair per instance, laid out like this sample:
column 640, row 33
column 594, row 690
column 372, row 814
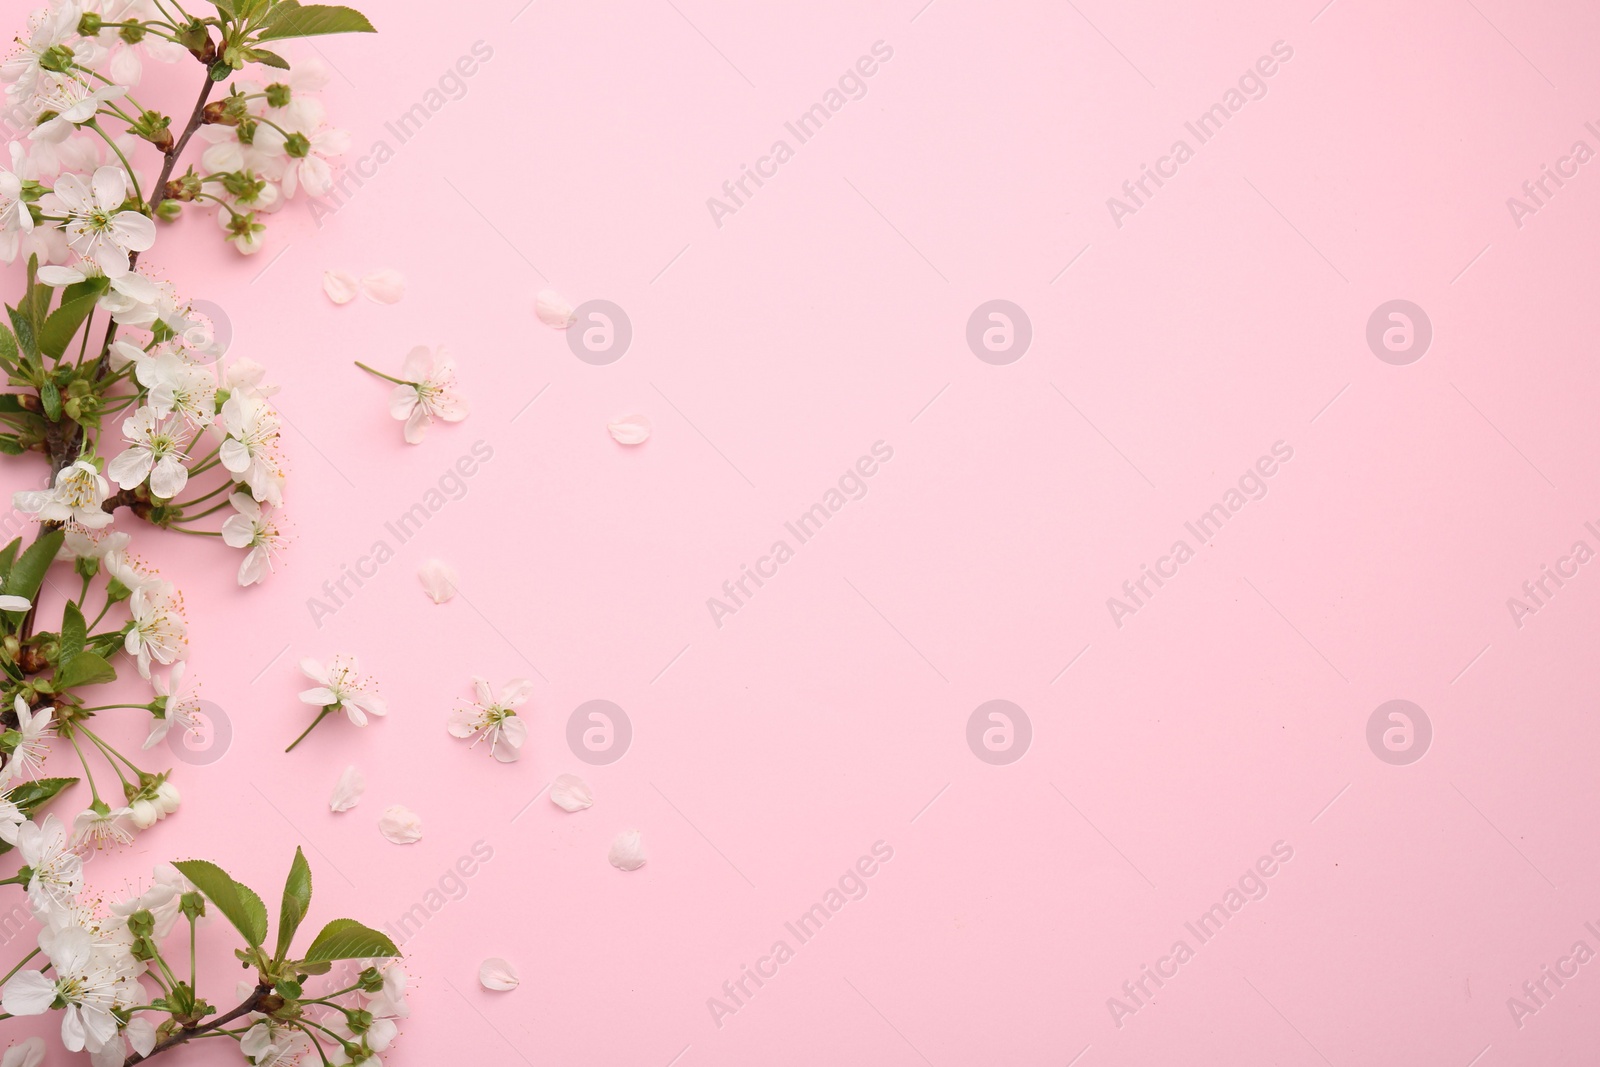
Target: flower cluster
column 121, row 996
column 128, row 393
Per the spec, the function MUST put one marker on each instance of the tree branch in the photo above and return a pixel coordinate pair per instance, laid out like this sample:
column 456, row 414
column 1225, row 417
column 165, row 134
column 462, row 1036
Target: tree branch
column 253, row 1004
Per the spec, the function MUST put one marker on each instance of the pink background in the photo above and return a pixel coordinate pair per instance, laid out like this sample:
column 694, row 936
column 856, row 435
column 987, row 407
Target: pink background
column 828, row 314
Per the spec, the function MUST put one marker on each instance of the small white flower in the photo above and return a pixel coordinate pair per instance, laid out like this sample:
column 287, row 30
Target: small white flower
column 48, row 27
column 494, row 720
column 97, row 227
column 253, row 529
column 159, row 631
column 69, row 101
column 33, row 727
column 57, row 869
column 179, row 708
column 177, row 385
column 250, row 450
column 162, row 900
column 429, row 392
column 11, row 820
column 497, row 974
column 347, row 791
column 15, row 218
column 155, row 451
column 76, row 501
column 400, row 825
column 94, row 829
column 91, row 982
column 339, row 687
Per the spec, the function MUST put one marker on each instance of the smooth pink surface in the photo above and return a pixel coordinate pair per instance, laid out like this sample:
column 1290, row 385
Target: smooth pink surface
column 825, row 315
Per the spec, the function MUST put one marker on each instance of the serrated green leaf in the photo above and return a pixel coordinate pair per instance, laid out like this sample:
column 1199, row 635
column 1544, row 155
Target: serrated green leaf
column 73, row 631
column 27, row 575
column 346, row 939
column 296, row 902
column 25, row 333
column 86, row 668
column 50, row 397
column 11, row 445
column 291, row 19
column 235, row 900
column 31, row 796
column 266, row 58
column 63, row 324
column 8, row 558
column 8, row 346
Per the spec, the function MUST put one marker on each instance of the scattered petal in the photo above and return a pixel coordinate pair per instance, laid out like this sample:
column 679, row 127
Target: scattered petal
column 439, row 580
column 627, row 851
column 347, row 792
column 384, row 286
column 400, row 825
column 571, row 793
column 630, row 429
column 339, row 285
column 554, row 310
column 497, row 974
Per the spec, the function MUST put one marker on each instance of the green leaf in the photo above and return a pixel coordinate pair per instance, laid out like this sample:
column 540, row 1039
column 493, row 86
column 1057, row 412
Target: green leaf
column 237, row 901
column 36, row 302
column 86, row 668
column 8, row 557
column 63, row 324
column 291, row 19
column 346, row 939
column 266, row 58
column 24, row 330
column 31, row 796
column 50, row 397
column 296, row 902
column 11, row 444
column 8, row 346
column 73, row 631
column 27, row 575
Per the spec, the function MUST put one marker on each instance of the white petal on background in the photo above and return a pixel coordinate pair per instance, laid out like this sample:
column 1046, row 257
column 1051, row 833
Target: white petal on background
column 630, row 429
column 627, row 851
column 497, row 974
column 554, row 310
column 571, row 793
column 384, row 286
column 400, row 825
column 439, row 580
column 347, row 793
column 339, row 285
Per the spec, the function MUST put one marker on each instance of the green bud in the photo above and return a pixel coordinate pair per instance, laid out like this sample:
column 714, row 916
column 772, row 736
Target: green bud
column 57, row 59
column 132, row 34
column 297, row 145
column 89, row 24
column 192, row 904
column 278, row 95
column 169, row 210
column 371, row 981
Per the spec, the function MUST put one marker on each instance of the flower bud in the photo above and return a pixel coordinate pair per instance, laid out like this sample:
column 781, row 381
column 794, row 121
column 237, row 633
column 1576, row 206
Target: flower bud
column 217, row 113
column 297, row 145
column 169, row 210
column 278, row 95
column 89, row 24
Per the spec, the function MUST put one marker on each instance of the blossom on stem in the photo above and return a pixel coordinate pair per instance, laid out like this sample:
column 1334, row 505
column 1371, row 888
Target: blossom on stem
column 494, row 720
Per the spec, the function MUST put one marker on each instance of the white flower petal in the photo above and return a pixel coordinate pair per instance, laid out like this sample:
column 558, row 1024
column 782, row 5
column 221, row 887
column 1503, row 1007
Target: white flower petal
column 347, row 791
column 630, row 429
column 571, row 793
column 341, row 286
column 384, row 286
column 400, row 825
column 439, row 580
column 627, row 851
column 497, row 974
column 554, row 310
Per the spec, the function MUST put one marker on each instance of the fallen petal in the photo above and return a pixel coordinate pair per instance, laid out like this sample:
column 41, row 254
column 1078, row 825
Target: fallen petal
column 347, row 792
column 571, row 793
column 627, row 851
column 339, row 285
column 439, row 580
column 400, row 825
column 497, row 974
column 384, row 286
column 630, row 429
column 553, row 309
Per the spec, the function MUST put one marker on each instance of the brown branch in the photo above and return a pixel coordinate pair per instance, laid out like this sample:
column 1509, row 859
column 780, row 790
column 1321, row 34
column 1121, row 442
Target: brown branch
column 196, row 120
column 250, row 1005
